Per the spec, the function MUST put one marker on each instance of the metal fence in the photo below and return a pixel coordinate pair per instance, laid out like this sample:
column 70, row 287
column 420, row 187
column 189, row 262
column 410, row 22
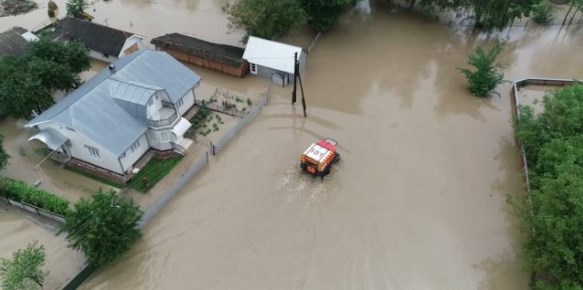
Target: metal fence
column 36, row 210
column 192, row 171
column 224, row 141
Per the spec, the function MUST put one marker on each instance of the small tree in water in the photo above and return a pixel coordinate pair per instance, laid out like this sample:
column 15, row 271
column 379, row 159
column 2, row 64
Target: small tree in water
column 75, row 7
column 24, row 270
column 486, row 77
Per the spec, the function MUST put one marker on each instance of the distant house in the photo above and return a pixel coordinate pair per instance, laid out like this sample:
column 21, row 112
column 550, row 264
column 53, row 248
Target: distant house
column 13, row 41
column 104, row 43
column 273, row 60
column 128, row 109
column 220, row 57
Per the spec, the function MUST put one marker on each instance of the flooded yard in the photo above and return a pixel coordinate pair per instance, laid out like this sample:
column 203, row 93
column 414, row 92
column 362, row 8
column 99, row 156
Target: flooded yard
column 417, row 202
column 418, row 199
column 18, row 229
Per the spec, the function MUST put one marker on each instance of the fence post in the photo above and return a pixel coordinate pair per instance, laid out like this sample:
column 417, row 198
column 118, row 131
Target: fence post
column 212, row 148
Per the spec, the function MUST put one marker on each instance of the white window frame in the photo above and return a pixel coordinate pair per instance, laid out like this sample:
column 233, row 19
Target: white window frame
column 253, row 68
column 94, row 152
column 135, row 146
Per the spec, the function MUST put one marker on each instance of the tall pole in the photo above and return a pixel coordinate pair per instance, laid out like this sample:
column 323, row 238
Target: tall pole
column 295, row 77
column 303, row 97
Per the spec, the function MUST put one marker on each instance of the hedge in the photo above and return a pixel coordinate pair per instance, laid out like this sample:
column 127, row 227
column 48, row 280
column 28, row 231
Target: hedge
column 22, row 192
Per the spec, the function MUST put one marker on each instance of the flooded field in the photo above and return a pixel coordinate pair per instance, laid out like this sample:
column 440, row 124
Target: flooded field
column 417, row 202
column 18, row 229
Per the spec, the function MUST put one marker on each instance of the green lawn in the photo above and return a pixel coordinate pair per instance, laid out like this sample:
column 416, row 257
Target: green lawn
column 154, row 171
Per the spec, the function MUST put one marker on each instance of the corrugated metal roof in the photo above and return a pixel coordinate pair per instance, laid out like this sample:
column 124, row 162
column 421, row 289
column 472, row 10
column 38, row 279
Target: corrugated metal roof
column 119, row 100
column 267, row 53
column 51, row 137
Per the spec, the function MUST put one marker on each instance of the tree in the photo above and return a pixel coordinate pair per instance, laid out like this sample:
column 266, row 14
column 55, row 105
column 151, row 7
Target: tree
column 75, row 7
column 24, row 270
column 264, row 18
column 26, row 82
column 553, row 143
column 322, row 14
column 486, row 77
column 52, row 9
column 104, row 227
column 4, row 157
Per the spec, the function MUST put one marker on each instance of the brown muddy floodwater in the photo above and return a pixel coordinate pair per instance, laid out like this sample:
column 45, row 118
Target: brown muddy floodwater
column 417, row 202
column 18, row 229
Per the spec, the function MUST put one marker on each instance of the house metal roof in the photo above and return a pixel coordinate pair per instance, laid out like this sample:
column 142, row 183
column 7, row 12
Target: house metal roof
column 275, row 55
column 100, row 110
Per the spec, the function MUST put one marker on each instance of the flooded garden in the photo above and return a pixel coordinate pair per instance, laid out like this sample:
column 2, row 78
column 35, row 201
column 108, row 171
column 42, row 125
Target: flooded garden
column 418, row 200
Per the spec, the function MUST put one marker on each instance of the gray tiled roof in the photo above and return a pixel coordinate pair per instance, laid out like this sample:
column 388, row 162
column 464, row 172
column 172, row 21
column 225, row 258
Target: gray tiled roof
column 94, row 109
column 12, row 43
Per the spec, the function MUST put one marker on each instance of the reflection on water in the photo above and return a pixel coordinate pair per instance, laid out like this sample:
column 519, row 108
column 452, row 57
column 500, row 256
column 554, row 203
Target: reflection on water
column 418, row 200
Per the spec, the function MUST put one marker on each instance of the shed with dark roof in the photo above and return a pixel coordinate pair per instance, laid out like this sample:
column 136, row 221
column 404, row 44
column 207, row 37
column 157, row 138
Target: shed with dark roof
column 220, row 57
column 13, row 41
column 109, row 42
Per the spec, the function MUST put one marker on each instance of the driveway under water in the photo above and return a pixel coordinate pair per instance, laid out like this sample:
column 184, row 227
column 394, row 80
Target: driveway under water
column 417, row 202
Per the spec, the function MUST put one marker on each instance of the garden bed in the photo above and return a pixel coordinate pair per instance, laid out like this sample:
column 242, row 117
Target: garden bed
column 153, row 172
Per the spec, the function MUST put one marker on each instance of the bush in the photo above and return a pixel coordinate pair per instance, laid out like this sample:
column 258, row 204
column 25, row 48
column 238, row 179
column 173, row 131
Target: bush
column 483, row 81
column 20, row 191
column 543, row 12
column 553, row 143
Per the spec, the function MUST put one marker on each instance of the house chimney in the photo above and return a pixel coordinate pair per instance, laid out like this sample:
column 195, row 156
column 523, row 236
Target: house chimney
column 112, row 68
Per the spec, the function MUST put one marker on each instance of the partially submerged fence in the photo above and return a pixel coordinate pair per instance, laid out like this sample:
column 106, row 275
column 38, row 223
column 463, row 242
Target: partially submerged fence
column 224, row 141
column 201, row 163
column 36, row 210
column 162, row 201
column 516, row 107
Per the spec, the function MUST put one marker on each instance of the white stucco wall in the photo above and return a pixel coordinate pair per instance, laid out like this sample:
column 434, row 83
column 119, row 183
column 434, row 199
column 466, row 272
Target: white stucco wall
column 157, row 142
column 188, row 102
column 79, row 150
column 131, row 157
column 153, row 111
column 99, row 56
column 134, row 39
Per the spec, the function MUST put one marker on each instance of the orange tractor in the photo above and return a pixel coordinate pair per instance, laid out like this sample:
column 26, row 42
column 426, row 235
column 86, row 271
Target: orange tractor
column 318, row 159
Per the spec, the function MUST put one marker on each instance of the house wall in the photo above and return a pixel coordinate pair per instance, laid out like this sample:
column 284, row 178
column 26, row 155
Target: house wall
column 153, row 111
column 99, row 56
column 131, row 157
column 79, row 150
column 132, row 44
column 238, row 71
column 160, row 139
column 188, row 102
column 267, row 73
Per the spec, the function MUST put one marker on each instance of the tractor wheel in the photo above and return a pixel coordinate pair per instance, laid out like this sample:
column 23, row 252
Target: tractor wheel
column 336, row 158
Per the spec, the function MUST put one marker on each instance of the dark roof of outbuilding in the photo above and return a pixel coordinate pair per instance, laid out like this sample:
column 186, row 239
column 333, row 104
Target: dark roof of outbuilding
column 97, row 37
column 221, row 53
column 12, row 43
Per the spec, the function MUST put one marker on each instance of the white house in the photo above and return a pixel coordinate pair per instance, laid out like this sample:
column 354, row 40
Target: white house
column 134, row 105
column 104, row 43
column 273, row 60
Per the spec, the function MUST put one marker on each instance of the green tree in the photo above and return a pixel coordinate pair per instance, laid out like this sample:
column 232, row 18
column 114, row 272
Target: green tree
column 543, row 12
column 26, row 82
column 322, row 14
column 75, row 7
column 104, row 227
column 52, row 8
column 264, row 18
column 483, row 81
column 553, row 143
column 24, row 270
column 4, row 157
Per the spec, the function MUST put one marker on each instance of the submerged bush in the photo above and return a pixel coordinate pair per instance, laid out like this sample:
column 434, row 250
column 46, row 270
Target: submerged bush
column 486, row 77
column 21, row 192
column 543, row 12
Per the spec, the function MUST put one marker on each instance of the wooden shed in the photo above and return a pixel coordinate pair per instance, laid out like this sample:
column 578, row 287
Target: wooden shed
column 220, row 57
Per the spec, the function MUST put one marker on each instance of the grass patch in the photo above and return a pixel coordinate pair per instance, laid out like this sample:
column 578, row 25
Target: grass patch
column 94, row 177
column 154, row 171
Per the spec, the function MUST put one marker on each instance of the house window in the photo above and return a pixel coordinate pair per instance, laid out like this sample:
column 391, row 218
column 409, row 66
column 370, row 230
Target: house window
column 70, row 129
column 180, row 103
column 135, row 146
column 93, row 152
column 156, row 97
column 150, row 102
column 165, row 136
column 253, row 68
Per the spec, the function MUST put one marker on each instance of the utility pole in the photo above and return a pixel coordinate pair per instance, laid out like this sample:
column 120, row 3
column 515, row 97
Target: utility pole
column 295, row 77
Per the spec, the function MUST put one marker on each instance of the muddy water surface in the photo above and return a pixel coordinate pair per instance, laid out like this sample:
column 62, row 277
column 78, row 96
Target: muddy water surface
column 417, row 202
column 18, row 229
